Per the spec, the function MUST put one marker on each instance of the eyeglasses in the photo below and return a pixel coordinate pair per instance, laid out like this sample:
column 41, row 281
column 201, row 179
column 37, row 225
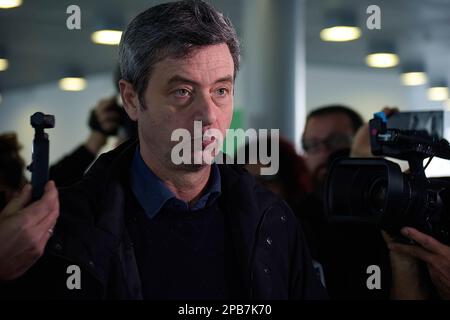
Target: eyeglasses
column 331, row 143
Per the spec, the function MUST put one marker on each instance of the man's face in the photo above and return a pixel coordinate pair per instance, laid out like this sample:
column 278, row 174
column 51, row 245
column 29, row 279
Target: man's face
column 324, row 135
column 180, row 91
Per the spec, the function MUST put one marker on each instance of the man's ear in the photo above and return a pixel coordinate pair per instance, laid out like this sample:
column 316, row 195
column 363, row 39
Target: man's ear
column 130, row 99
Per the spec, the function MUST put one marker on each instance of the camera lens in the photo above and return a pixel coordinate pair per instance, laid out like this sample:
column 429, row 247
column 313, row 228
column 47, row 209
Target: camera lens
column 377, row 195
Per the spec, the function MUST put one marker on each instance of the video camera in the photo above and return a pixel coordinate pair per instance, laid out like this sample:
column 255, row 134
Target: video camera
column 374, row 190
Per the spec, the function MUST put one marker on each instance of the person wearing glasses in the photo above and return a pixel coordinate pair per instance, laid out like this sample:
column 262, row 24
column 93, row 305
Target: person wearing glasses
column 328, row 130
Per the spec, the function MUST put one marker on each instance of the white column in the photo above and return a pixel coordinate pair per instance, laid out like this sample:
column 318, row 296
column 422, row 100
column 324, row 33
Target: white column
column 273, row 68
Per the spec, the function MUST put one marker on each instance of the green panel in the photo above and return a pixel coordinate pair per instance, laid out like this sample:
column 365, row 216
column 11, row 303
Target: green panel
column 238, row 122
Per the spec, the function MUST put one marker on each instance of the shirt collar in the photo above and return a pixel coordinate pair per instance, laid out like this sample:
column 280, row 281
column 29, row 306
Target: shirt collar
column 152, row 194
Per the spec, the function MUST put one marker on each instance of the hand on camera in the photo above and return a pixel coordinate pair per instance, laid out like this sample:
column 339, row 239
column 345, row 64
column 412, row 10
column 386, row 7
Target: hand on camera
column 361, row 141
column 435, row 254
column 407, row 275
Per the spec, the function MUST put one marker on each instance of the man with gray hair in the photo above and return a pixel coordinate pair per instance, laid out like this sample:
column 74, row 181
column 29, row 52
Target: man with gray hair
column 141, row 227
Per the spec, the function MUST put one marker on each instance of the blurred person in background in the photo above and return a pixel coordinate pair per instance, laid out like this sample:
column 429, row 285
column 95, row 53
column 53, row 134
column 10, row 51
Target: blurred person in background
column 328, row 130
column 12, row 166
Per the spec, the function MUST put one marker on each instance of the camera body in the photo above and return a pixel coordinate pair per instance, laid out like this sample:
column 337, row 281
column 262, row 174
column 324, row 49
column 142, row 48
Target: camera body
column 40, row 121
column 374, row 190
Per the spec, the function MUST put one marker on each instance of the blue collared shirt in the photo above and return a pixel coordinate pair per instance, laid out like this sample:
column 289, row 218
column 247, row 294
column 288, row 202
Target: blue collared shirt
column 152, row 194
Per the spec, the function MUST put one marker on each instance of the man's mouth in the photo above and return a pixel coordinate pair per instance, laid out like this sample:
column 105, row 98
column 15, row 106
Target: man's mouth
column 203, row 143
column 207, row 141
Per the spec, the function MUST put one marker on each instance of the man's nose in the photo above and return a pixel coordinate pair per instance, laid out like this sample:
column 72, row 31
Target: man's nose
column 205, row 110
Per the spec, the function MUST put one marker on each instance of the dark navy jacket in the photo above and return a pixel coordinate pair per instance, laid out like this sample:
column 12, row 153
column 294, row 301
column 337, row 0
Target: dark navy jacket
column 91, row 233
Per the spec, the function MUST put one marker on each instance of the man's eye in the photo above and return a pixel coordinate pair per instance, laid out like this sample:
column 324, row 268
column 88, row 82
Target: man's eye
column 222, row 91
column 182, row 93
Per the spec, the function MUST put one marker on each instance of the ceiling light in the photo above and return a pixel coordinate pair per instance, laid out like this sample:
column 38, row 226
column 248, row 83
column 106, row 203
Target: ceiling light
column 437, row 93
column 340, row 26
column 72, row 84
column 108, row 37
column 8, row 4
column 413, row 74
column 413, row 78
column 3, row 64
column 340, row 33
column 382, row 55
column 382, row 60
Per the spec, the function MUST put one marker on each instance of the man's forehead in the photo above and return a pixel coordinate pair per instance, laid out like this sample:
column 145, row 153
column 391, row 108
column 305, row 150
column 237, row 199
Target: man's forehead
column 209, row 54
column 215, row 60
column 328, row 123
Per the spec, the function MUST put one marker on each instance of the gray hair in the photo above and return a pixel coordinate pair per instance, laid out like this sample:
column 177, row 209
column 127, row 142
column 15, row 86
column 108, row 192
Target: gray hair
column 172, row 30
